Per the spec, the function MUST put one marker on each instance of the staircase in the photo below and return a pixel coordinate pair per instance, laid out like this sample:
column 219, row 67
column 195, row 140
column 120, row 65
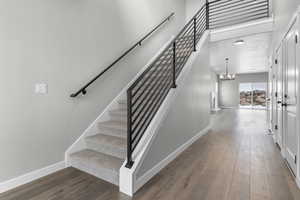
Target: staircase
column 106, row 151
column 117, row 137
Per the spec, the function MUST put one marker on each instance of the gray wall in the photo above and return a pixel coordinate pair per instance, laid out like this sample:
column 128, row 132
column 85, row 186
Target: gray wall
column 188, row 115
column 229, row 90
column 64, row 43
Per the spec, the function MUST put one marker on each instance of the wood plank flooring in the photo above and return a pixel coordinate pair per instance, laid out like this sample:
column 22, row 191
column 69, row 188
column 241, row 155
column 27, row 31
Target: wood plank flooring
column 236, row 160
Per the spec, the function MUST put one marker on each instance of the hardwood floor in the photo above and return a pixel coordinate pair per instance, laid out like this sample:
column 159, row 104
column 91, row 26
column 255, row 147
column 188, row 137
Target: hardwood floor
column 235, row 161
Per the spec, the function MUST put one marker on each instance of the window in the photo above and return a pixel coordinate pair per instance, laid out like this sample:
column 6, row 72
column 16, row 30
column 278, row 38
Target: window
column 253, row 95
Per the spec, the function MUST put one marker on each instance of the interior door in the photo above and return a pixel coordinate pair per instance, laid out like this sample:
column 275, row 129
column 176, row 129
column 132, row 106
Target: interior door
column 269, row 101
column 279, row 98
column 290, row 99
column 274, row 98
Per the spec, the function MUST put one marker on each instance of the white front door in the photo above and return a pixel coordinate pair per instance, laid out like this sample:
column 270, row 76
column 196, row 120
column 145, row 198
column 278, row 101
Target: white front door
column 290, row 98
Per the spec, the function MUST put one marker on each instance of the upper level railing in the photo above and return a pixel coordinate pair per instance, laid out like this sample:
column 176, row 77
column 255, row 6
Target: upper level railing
column 147, row 93
column 230, row 12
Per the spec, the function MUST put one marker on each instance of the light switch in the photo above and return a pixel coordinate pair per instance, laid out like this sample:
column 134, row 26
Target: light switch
column 41, row 88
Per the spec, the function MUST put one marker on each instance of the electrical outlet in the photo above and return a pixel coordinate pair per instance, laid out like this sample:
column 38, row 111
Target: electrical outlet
column 41, row 88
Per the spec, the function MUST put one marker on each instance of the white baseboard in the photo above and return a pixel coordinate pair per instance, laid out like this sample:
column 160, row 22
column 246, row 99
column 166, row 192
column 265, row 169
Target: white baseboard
column 298, row 182
column 31, row 176
column 158, row 167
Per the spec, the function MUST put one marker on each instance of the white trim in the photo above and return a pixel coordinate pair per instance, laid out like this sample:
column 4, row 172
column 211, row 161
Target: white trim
column 298, row 182
column 244, row 29
column 229, row 107
column 158, row 167
column 31, row 176
column 243, row 25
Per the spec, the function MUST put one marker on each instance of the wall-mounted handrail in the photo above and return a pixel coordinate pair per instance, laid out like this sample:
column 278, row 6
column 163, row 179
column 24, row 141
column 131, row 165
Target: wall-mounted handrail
column 139, row 43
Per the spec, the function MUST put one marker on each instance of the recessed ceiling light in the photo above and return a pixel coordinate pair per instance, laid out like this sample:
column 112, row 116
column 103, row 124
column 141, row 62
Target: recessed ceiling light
column 239, row 42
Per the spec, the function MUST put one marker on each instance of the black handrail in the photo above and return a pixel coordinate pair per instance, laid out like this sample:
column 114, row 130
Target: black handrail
column 139, row 43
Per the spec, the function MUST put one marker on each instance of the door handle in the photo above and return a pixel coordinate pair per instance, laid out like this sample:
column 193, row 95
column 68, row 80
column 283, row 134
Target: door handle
column 284, row 104
column 279, row 102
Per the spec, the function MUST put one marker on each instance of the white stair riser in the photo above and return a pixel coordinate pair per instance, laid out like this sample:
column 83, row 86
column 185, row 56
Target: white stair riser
column 112, row 132
column 119, row 116
column 105, row 174
column 106, row 149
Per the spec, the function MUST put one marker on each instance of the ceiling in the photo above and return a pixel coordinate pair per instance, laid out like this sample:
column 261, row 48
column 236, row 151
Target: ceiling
column 251, row 57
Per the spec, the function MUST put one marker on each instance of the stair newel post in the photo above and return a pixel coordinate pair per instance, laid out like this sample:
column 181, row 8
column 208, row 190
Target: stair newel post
column 174, row 65
column 129, row 130
column 195, row 32
column 207, row 14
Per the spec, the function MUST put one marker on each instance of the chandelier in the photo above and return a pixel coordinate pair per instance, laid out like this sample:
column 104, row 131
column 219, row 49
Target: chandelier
column 227, row 76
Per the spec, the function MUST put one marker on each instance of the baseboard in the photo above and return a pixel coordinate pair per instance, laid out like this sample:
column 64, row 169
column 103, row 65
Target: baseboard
column 158, row 167
column 298, row 182
column 31, row 176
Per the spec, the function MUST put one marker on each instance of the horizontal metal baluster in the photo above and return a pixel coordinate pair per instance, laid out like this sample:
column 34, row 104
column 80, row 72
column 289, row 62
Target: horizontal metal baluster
column 232, row 4
column 149, row 86
column 238, row 15
column 147, row 103
column 148, row 77
column 232, row 22
column 157, row 86
column 241, row 10
column 165, row 91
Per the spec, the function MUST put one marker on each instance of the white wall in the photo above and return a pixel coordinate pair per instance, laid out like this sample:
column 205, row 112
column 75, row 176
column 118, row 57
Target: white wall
column 64, row 43
column 229, row 90
column 192, row 6
column 283, row 12
column 214, row 91
column 188, row 115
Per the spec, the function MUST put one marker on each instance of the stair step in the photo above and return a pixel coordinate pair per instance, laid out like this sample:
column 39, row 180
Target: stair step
column 111, row 145
column 119, row 114
column 113, row 128
column 103, row 166
column 122, row 101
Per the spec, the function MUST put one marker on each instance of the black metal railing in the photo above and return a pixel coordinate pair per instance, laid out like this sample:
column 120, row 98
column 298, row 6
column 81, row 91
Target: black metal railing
column 218, row 13
column 139, row 43
column 147, row 93
column 230, row 12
